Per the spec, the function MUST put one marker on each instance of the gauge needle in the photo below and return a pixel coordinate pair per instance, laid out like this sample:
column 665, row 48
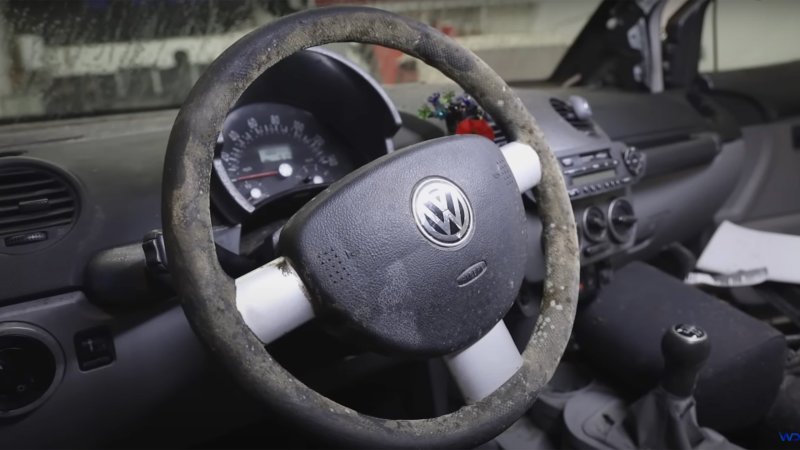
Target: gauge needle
column 256, row 175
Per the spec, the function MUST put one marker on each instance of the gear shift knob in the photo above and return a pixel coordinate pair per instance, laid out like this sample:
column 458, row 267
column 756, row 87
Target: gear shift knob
column 685, row 349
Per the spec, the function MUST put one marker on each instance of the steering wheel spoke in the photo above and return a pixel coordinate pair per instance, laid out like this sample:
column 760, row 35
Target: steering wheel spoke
column 272, row 300
column 524, row 164
column 485, row 365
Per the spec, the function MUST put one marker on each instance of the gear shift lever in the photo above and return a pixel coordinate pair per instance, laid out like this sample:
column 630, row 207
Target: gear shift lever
column 685, row 349
column 665, row 417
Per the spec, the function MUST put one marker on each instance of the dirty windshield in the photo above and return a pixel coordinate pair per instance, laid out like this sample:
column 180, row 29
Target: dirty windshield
column 86, row 57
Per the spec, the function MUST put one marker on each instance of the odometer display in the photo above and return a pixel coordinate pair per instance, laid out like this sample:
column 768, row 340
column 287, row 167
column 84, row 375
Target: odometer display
column 273, row 153
column 270, row 149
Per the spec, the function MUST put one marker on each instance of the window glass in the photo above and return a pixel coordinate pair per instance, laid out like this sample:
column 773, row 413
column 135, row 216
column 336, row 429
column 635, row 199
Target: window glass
column 750, row 33
column 63, row 58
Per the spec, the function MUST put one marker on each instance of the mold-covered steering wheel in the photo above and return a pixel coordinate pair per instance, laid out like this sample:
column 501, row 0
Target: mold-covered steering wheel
column 420, row 252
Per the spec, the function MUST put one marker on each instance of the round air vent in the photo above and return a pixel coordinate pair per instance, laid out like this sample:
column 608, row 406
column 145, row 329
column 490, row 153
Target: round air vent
column 31, row 367
column 38, row 206
column 500, row 137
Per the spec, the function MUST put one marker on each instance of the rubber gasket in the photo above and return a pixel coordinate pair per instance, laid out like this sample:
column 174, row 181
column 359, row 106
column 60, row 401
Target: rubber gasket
column 208, row 294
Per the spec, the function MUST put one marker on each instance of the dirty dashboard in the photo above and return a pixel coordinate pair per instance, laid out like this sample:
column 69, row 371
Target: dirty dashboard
column 80, row 212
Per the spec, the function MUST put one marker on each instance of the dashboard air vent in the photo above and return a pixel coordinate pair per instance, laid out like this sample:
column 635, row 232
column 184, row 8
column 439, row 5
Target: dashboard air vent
column 36, row 205
column 499, row 136
column 566, row 111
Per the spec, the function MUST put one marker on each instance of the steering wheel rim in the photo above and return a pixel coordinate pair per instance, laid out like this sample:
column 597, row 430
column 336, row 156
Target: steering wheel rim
column 208, row 294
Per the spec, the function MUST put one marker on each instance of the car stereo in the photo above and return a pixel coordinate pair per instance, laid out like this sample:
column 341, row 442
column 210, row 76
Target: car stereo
column 597, row 171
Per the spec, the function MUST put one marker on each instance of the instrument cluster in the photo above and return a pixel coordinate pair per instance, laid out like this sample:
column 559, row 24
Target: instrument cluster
column 288, row 136
column 269, row 150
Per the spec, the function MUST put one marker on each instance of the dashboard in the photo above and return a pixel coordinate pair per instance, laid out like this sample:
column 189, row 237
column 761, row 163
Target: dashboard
column 87, row 314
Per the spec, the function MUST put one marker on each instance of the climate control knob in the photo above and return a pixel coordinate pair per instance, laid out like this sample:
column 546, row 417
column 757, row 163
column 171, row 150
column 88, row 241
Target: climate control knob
column 634, row 161
column 621, row 220
column 594, row 224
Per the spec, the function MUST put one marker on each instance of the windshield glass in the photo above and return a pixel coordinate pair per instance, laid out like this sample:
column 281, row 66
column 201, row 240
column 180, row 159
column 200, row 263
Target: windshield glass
column 85, row 57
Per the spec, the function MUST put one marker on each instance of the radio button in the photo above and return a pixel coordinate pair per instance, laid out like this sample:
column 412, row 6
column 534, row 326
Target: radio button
column 566, row 162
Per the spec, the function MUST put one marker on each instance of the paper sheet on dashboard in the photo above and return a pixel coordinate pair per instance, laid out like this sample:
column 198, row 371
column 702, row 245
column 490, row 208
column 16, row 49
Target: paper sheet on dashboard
column 734, row 248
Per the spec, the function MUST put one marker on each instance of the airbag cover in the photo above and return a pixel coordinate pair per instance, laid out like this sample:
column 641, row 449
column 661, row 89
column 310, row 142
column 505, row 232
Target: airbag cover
column 401, row 261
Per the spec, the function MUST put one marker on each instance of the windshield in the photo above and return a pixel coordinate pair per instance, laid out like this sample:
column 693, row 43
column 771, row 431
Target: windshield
column 86, row 57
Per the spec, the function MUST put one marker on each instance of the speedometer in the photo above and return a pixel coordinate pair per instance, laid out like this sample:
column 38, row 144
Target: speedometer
column 270, row 149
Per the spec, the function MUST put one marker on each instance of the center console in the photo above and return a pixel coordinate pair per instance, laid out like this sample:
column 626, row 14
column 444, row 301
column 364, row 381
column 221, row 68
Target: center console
column 598, row 181
column 598, row 173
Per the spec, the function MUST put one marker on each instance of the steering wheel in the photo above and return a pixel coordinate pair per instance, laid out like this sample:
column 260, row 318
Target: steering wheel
column 420, row 252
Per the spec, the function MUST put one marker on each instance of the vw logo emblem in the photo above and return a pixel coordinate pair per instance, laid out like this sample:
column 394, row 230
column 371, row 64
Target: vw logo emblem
column 442, row 212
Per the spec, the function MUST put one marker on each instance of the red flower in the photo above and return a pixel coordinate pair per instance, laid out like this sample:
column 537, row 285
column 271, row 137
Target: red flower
column 475, row 126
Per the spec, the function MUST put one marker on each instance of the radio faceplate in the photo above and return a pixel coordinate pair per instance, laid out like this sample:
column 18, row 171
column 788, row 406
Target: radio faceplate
column 597, row 171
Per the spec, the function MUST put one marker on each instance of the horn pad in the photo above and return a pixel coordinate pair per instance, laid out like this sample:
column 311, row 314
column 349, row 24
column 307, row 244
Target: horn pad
column 420, row 252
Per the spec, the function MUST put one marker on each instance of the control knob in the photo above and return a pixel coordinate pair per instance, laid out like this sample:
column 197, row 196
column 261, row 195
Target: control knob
column 634, row 160
column 594, row 224
column 622, row 220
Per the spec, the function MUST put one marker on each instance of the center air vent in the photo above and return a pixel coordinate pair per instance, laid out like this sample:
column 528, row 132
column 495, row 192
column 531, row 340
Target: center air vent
column 567, row 112
column 37, row 207
column 499, row 136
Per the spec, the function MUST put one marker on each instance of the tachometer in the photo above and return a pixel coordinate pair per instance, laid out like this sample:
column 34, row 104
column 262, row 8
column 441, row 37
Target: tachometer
column 270, row 149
